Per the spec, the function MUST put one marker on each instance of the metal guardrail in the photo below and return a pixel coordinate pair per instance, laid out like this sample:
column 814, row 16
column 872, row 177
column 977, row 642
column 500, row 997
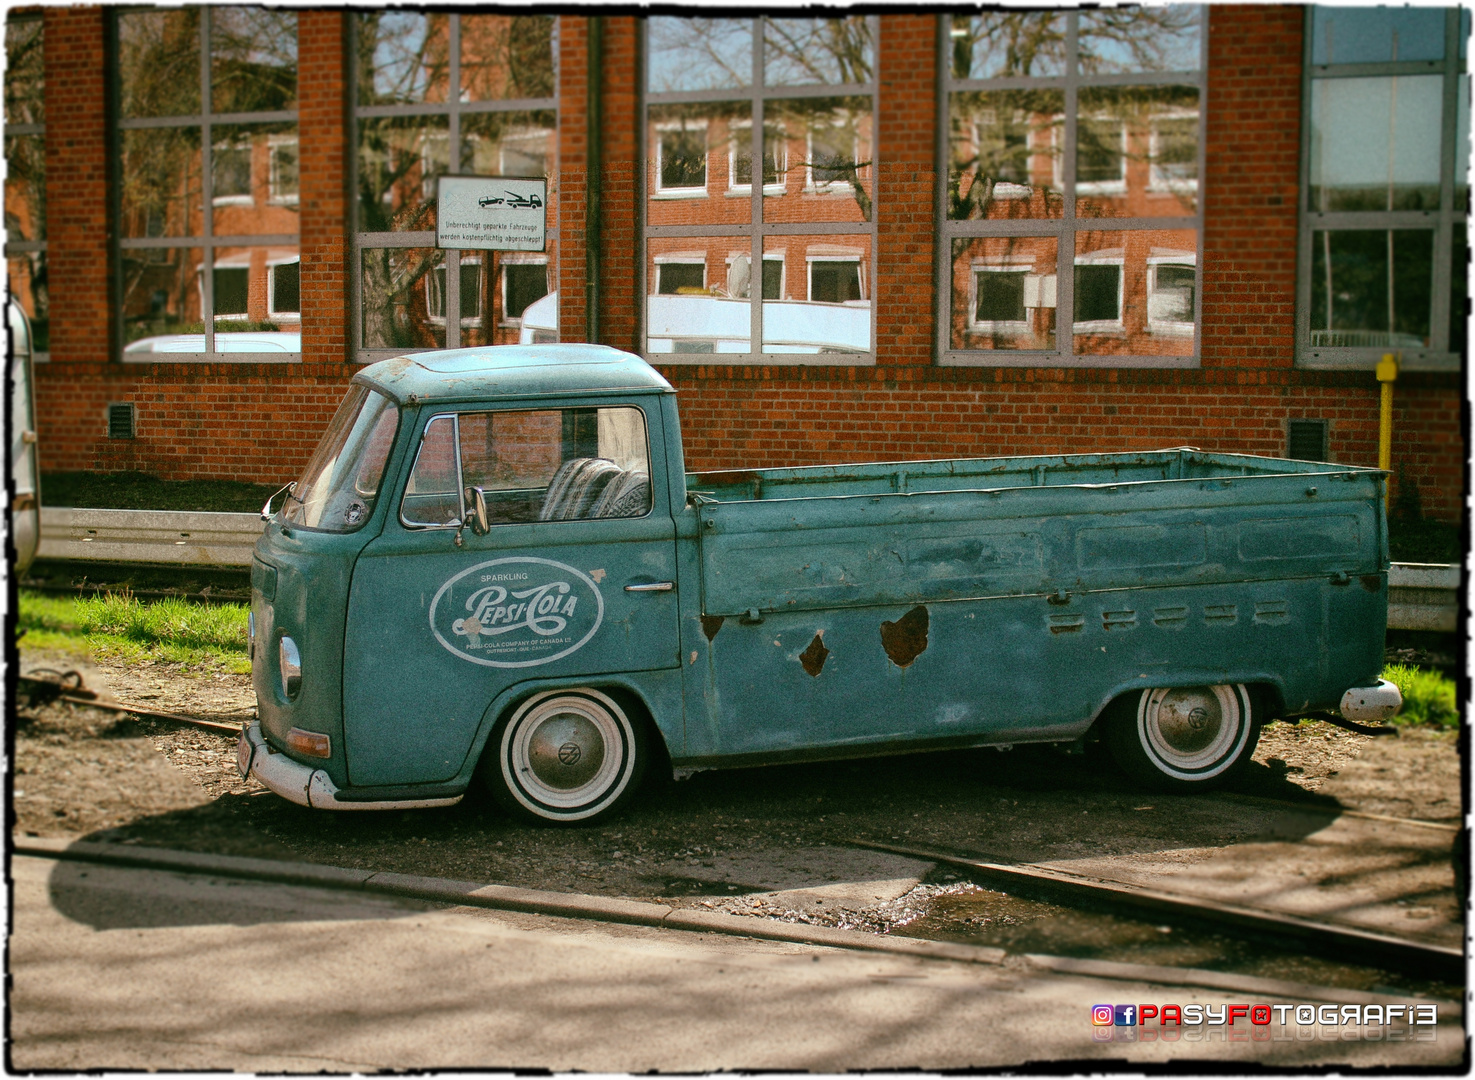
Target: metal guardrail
column 1421, row 596
column 153, row 536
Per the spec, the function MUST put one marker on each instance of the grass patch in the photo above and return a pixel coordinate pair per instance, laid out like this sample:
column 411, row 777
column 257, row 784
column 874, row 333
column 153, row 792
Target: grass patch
column 140, row 491
column 1428, row 697
column 120, row 626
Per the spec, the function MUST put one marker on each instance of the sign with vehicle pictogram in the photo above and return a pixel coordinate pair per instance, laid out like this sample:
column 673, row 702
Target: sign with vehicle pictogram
column 492, row 213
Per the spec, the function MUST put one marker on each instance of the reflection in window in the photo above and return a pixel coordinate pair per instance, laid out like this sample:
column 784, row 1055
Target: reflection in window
column 412, row 127
column 1126, row 159
column 522, row 284
column 25, row 174
column 1098, row 293
column 678, row 277
column 1371, row 288
column 192, row 295
column 682, row 160
column 1377, row 224
column 710, row 229
column 544, row 465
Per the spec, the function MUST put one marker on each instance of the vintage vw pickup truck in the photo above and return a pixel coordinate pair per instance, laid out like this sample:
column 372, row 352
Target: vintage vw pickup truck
column 495, row 568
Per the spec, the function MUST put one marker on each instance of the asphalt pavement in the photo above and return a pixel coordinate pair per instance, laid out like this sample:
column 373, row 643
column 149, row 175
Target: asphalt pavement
column 117, row 967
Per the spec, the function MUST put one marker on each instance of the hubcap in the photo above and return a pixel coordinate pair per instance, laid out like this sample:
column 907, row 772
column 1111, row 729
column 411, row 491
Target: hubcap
column 565, row 755
column 565, row 751
column 1191, row 728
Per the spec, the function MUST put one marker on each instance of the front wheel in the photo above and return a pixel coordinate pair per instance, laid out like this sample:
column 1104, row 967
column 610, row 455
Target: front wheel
column 1187, row 738
column 565, row 756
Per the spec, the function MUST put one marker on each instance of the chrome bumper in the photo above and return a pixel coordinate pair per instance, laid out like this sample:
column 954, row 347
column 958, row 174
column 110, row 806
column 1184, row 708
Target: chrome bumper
column 304, row 785
column 1364, row 703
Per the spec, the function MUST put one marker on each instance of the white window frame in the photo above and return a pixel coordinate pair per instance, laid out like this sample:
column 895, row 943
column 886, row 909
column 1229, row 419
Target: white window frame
column 511, row 141
column 829, row 187
column 1157, row 180
column 1105, row 257
column 273, row 144
column 811, row 257
column 677, row 258
column 515, row 258
column 271, row 288
column 1107, row 187
column 1170, row 327
column 741, row 131
column 430, row 291
column 691, row 192
column 1014, row 264
column 249, row 197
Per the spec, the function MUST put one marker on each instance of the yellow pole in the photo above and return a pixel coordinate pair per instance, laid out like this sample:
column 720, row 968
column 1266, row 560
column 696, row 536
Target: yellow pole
column 1387, row 372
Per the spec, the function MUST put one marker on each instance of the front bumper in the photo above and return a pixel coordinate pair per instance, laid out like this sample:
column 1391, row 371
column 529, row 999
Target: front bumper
column 304, row 785
column 1362, row 704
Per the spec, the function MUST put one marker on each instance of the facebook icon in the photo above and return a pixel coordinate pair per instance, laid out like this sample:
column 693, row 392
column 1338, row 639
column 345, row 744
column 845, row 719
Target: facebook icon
column 1124, row 1015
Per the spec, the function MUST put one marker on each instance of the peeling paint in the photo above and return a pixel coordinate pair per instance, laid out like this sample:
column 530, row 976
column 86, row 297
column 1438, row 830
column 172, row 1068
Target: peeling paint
column 693, row 656
column 711, row 624
column 906, row 639
column 813, row 658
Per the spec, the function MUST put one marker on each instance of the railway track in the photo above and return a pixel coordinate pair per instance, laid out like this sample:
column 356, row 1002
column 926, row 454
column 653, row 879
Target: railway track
column 1309, row 936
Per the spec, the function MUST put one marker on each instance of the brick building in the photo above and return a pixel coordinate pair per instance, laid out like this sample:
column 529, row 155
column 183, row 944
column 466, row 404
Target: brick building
column 1253, row 204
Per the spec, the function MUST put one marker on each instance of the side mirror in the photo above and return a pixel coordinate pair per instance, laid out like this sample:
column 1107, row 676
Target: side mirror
column 266, row 510
column 476, row 500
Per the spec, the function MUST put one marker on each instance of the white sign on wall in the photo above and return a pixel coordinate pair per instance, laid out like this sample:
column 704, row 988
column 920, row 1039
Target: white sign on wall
column 492, row 213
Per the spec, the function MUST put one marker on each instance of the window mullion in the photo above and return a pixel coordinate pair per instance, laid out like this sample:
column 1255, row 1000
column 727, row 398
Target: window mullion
column 756, row 143
column 1448, row 141
column 207, row 187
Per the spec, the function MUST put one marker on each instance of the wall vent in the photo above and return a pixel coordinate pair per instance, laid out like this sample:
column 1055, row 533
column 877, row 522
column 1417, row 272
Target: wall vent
column 1306, row 440
column 121, row 420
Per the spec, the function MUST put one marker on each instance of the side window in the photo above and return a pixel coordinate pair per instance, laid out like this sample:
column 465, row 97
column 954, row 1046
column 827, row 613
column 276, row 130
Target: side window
column 431, row 496
column 535, row 465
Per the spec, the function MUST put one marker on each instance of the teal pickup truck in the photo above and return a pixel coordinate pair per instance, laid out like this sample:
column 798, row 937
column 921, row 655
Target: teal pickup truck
column 495, row 569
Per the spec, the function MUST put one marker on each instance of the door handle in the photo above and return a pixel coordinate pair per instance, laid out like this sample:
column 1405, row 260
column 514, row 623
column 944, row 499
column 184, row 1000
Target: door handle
column 654, row 586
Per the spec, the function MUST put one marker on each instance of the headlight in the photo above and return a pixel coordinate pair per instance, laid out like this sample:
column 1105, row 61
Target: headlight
column 251, row 636
column 291, row 664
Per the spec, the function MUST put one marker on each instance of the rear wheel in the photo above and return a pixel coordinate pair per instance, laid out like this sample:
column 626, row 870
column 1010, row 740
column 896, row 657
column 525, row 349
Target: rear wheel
column 565, row 756
column 1185, row 738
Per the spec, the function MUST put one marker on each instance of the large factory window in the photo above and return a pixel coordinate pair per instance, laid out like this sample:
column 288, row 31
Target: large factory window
column 205, row 219
column 1074, row 139
column 25, row 173
column 428, row 82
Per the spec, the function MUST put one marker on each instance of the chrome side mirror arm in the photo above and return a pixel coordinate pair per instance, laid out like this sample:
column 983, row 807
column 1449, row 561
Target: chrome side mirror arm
column 266, row 510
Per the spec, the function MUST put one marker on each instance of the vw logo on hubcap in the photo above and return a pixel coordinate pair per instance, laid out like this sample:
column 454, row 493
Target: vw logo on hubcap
column 569, row 753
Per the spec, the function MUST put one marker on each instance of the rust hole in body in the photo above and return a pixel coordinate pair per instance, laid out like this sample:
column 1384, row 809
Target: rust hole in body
column 1371, row 582
column 905, row 639
column 711, row 624
column 813, row 658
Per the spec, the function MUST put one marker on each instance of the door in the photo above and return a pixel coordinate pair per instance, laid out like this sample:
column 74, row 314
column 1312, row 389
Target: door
column 573, row 577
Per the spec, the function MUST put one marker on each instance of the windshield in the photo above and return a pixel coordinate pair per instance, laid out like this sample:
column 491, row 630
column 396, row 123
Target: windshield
column 337, row 489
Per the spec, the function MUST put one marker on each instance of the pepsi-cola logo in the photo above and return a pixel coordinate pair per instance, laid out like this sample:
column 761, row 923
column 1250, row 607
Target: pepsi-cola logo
column 516, row 612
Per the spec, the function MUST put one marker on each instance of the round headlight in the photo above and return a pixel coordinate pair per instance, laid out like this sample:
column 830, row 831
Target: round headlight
column 291, row 664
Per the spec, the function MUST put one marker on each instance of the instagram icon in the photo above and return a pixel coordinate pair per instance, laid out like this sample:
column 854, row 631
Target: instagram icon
column 1101, row 1015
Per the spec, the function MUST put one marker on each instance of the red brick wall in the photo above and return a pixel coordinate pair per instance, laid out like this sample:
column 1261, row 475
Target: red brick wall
column 322, row 121
column 259, row 422
column 76, row 183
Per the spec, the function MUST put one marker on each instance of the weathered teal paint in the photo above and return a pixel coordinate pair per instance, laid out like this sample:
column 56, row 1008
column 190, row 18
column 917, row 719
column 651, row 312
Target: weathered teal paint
column 818, row 612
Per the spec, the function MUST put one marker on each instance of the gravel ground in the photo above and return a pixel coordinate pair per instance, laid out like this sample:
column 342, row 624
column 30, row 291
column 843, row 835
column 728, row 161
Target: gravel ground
column 759, row 841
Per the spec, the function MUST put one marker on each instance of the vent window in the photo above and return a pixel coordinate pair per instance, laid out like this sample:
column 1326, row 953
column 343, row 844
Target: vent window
column 1306, row 440
column 120, row 421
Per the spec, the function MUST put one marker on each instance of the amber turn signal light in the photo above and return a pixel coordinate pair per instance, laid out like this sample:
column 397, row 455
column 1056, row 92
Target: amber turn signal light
column 311, row 743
